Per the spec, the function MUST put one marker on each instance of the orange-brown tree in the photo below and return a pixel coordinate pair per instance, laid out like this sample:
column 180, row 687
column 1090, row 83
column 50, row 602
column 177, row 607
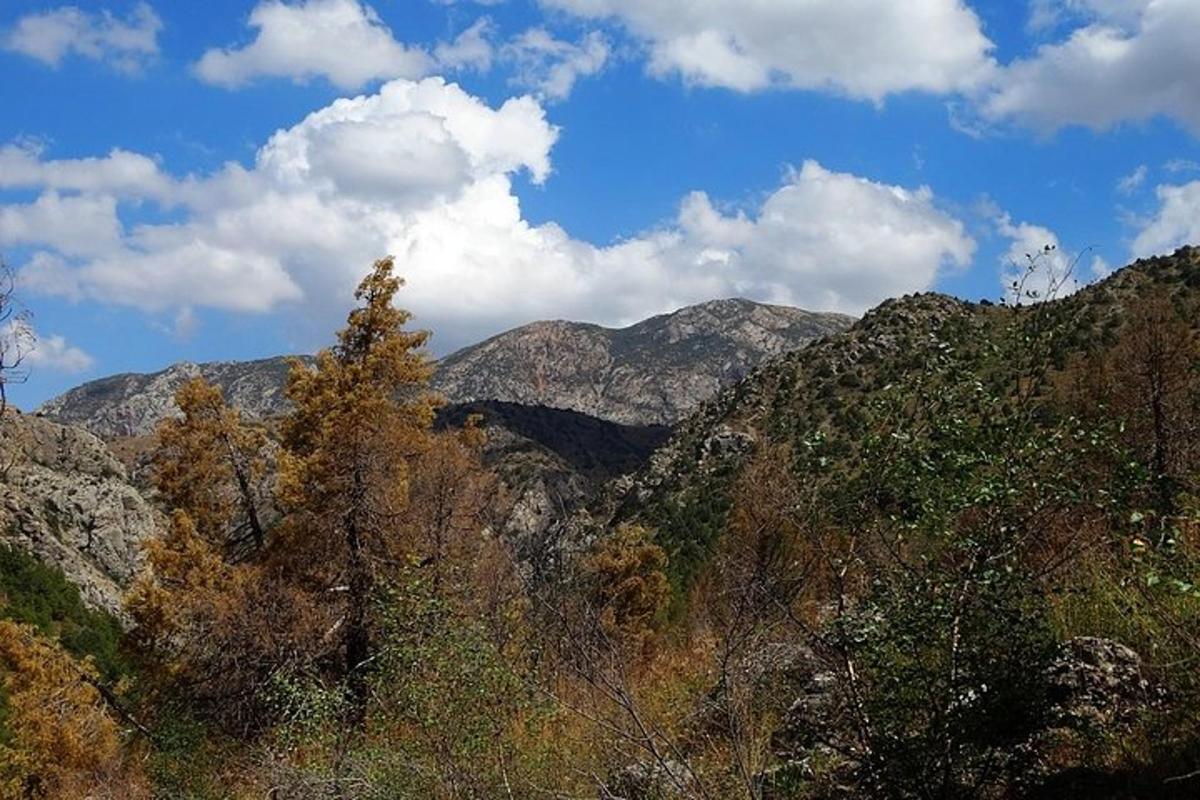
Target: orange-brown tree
column 62, row 740
column 362, row 416
column 213, row 466
column 220, row 633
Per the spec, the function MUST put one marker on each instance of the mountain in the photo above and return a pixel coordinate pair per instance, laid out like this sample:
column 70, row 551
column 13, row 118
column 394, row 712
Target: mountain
column 650, row 373
column 132, row 404
column 828, row 391
column 654, row 372
column 552, row 463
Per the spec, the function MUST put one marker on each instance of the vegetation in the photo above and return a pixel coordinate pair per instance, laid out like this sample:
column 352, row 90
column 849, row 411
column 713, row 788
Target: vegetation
column 868, row 571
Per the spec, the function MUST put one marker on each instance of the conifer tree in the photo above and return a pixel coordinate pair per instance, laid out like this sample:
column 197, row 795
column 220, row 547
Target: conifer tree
column 211, row 465
column 362, row 415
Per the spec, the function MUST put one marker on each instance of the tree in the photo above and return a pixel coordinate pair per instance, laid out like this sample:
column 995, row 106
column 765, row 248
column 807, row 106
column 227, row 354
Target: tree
column 1155, row 380
column 62, row 740
column 221, row 633
column 452, row 501
column 16, row 337
column 362, row 415
column 213, row 466
column 626, row 588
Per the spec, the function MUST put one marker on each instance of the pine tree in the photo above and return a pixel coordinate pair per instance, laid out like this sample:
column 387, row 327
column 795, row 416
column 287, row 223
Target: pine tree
column 212, row 466
column 362, row 415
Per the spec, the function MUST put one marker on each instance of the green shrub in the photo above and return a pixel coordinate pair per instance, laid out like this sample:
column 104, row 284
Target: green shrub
column 40, row 595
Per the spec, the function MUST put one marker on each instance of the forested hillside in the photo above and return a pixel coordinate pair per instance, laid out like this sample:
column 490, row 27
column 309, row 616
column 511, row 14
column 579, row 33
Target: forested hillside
column 951, row 552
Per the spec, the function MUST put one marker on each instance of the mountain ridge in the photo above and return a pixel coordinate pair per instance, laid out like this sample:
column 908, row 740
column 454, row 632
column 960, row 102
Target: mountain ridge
column 652, row 372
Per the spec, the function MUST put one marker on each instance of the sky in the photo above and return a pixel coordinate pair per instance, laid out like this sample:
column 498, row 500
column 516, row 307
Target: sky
column 209, row 181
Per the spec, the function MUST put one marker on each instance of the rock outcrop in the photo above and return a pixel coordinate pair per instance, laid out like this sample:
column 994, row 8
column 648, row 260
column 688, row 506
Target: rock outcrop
column 67, row 500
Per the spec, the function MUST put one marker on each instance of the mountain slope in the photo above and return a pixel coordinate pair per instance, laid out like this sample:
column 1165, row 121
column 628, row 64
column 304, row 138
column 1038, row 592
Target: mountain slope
column 653, row 372
column 828, row 391
column 132, row 404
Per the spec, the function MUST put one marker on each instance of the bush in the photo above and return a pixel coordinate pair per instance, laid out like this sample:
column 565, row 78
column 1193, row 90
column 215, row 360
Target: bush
column 40, row 595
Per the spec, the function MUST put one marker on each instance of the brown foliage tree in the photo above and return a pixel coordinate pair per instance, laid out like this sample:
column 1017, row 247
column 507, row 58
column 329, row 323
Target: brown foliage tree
column 362, row 416
column 1150, row 380
column 627, row 588
column 62, row 742
column 213, row 466
column 218, row 632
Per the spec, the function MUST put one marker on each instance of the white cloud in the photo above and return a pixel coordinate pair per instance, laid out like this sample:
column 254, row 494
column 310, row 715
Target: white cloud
column 1130, row 183
column 74, row 225
column 120, row 173
column 1178, row 165
column 1175, row 223
column 1045, row 15
column 56, row 354
column 551, row 66
column 1131, row 60
column 471, row 49
column 865, row 49
column 125, row 44
column 1101, row 268
column 343, row 41
column 425, row 171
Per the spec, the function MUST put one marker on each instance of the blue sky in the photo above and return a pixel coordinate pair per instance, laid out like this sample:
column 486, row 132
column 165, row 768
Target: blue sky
column 207, row 181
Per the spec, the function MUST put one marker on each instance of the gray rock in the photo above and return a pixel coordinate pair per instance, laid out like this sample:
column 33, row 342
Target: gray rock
column 656, row 371
column 133, row 404
column 646, row 780
column 1098, row 683
column 67, row 500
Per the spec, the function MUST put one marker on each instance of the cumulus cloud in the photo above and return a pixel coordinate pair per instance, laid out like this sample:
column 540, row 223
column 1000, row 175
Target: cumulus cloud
column 866, row 49
column 1176, row 222
column 50, row 36
column 57, row 354
column 74, row 225
column 120, row 173
column 343, row 41
column 1129, row 60
column 425, row 171
column 1048, row 15
column 551, row 66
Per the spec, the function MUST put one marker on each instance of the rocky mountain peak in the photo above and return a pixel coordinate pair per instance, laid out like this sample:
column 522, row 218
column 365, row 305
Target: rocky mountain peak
column 650, row 373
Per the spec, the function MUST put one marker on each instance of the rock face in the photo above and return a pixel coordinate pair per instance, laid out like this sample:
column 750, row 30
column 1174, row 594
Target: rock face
column 133, row 404
column 552, row 462
column 1096, row 686
column 66, row 499
column 654, row 372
